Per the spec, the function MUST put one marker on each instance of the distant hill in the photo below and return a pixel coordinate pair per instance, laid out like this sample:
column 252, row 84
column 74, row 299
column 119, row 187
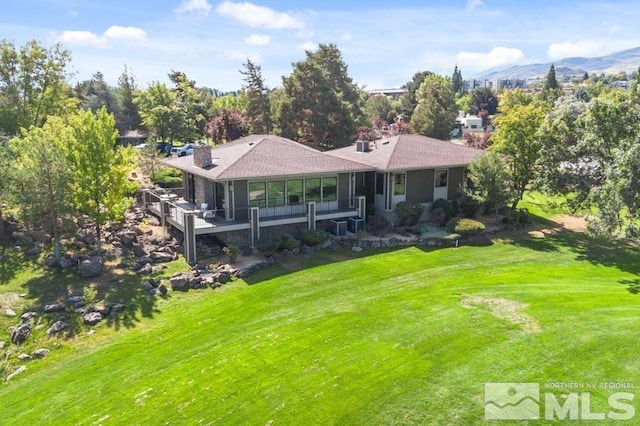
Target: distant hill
column 626, row 60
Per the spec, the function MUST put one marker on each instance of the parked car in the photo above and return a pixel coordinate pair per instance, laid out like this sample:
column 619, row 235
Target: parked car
column 181, row 151
column 164, row 147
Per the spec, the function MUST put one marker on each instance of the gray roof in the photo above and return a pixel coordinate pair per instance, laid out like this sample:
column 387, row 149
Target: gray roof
column 258, row 156
column 409, row 152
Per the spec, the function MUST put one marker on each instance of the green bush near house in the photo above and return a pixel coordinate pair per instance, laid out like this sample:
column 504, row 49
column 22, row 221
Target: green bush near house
column 312, row 237
column 287, row 242
column 407, row 213
column 465, row 226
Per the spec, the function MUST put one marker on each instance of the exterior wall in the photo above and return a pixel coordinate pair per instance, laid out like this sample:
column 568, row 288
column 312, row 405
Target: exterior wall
column 420, row 186
column 456, row 175
column 204, row 191
column 235, row 238
column 241, row 199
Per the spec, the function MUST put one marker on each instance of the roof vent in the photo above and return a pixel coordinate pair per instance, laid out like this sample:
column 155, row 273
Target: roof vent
column 362, row 146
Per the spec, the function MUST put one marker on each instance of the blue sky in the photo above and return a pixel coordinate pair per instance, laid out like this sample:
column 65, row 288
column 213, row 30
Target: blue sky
column 383, row 43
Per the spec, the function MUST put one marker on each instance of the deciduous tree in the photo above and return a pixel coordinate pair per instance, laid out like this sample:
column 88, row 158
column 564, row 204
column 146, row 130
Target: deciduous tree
column 516, row 139
column 32, row 85
column 436, row 111
column 99, row 169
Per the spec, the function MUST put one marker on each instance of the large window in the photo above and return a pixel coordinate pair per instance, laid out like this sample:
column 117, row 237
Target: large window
column 257, row 194
column 441, row 178
column 398, row 183
column 312, row 190
column 275, row 192
column 380, row 183
column 294, row 191
column 329, row 189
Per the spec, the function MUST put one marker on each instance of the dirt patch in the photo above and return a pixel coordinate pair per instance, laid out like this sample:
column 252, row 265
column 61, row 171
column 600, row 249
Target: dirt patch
column 571, row 223
column 508, row 310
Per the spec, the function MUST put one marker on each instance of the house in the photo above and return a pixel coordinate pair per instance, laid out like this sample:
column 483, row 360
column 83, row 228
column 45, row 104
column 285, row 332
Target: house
column 412, row 168
column 257, row 187
column 132, row 137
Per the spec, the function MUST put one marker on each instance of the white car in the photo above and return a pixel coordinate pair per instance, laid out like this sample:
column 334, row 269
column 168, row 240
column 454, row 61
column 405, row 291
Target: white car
column 181, row 151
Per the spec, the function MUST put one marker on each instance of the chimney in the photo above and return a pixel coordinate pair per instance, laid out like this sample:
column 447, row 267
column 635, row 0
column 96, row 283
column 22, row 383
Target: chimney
column 362, row 146
column 202, row 156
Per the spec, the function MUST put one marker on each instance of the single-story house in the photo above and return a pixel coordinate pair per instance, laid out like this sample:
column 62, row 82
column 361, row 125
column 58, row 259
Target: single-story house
column 260, row 186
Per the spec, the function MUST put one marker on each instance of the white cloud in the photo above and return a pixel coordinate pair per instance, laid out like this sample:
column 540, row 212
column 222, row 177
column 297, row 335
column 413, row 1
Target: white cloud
column 346, row 37
column 309, row 45
column 113, row 33
column 473, row 4
column 73, row 13
column 83, row 38
column 569, row 49
column 498, row 56
column 125, row 33
column 257, row 40
column 258, row 16
column 193, row 6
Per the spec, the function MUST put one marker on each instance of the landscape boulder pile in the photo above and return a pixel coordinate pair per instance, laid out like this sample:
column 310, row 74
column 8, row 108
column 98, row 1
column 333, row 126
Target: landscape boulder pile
column 202, row 276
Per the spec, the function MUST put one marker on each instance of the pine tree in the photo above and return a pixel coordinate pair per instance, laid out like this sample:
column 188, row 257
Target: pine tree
column 551, row 82
column 258, row 102
column 456, row 79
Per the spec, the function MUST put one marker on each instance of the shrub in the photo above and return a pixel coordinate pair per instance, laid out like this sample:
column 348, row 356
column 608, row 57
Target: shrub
column 438, row 217
column 465, row 226
column 312, row 237
column 287, row 242
column 446, row 207
column 468, row 206
column 377, row 224
column 408, row 213
column 232, row 251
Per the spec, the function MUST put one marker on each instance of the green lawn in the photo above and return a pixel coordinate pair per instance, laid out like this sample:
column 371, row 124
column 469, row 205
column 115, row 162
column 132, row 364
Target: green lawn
column 380, row 339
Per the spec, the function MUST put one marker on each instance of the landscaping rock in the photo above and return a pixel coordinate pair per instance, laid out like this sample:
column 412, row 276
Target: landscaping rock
column 91, row 267
column 104, row 310
column 222, row 277
column 92, row 318
column 54, row 307
column 356, row 249
column 50, row 261
column 117, row 308
column 20, row 333
column 17, row 371
column 4, row 258
column 76, row 300
column 41, row 353
column 139, row 251
column 57, row 327
column 1, row 344
column 28, row 316
column 161, row 290
column 179, row 283
column 162, row 256
column 66, row 262
column 127, row 238
column 10, row 312
column 34, row 251
column 23, row 357
column 145, row 269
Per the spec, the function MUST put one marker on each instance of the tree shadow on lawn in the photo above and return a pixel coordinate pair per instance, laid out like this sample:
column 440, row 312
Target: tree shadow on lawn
column 12, row 262
column 597, row 251
column 290, row 264
column 114, row 287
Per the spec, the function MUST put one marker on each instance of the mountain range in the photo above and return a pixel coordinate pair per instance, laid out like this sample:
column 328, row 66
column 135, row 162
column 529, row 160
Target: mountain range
column 626, row 60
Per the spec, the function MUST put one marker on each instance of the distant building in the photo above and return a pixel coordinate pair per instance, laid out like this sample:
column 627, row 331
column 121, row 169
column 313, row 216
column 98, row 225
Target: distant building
column 391, row 93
